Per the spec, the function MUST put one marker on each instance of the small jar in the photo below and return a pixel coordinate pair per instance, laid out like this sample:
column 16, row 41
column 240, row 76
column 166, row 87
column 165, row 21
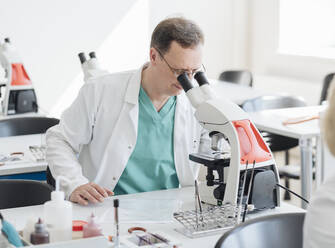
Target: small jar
column 77, row 229
column 40, row 235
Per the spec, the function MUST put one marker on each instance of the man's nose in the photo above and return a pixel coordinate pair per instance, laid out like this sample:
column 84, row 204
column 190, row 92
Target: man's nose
column 190, row 74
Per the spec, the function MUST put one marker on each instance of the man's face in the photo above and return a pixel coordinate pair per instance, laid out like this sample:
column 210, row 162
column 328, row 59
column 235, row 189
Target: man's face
column 173, row 63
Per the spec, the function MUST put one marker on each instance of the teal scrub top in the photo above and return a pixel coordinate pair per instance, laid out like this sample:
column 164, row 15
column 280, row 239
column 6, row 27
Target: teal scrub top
column 151, row 165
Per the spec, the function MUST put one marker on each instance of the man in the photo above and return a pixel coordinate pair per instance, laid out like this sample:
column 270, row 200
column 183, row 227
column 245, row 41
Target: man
column 133, row 131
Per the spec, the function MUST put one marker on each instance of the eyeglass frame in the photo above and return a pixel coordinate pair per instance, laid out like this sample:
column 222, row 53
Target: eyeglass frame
column 177, row 72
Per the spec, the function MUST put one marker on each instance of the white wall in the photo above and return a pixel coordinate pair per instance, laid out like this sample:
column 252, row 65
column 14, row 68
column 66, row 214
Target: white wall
column 215, row 19
column 124, row 48
column 238, row 34
column 50, row 34
column 301, row 75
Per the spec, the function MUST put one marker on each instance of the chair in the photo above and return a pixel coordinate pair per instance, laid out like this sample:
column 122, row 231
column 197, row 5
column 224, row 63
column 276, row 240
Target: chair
column 237, row 76
column 326, row 83
column 278, row 143
column 25, row 125
column 275, row 231
column 21, row 193
column 272, row 102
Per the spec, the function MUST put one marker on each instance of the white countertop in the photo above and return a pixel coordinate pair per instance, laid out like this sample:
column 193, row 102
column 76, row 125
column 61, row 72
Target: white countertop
column 271, row 121
column 21, row 144
column 183, row 200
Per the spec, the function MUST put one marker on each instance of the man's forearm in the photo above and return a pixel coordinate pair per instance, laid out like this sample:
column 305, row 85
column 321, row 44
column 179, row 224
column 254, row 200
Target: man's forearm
column 62, row 160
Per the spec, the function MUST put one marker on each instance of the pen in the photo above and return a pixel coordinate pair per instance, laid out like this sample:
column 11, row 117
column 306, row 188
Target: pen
column 242, row 193
column 196, row 203
column 249, row 190
column 116, row 219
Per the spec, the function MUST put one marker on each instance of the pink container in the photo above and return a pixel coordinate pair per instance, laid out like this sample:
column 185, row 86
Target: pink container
column 92, row 228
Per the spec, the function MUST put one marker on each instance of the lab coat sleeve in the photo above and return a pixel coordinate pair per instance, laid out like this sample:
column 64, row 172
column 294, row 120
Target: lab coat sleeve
column 65, row 140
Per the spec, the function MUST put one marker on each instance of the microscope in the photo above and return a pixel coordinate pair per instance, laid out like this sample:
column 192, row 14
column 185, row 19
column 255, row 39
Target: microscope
column 91, row 67
column 226, row 121
column 18, row 96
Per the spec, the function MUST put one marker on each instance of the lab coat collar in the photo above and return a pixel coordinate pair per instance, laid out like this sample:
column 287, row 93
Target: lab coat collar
column 133, row 88
column 182, row 102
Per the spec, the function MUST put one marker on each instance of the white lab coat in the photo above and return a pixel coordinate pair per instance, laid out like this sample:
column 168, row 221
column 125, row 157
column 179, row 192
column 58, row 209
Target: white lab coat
column 101, row 126
column 319, row 225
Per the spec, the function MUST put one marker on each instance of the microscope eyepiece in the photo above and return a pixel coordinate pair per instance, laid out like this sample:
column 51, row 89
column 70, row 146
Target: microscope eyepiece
column 82, row 57
column 201, row 78
column 185, row 82
column 92, row 55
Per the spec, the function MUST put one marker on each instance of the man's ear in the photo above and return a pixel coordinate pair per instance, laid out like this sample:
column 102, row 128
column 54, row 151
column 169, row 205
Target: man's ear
column 153, row 56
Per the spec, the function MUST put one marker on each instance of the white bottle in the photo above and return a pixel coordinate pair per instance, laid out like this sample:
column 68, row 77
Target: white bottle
column 58, row 215
column 29, row 228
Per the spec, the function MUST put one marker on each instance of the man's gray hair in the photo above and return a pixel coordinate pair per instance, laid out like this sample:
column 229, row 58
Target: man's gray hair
column 185, row 32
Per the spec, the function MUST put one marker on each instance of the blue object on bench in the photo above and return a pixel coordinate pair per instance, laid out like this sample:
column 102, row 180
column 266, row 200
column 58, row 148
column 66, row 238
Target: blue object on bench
column 39, row 176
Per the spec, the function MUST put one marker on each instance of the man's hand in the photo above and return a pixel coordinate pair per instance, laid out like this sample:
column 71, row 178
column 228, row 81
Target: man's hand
column 90, row 192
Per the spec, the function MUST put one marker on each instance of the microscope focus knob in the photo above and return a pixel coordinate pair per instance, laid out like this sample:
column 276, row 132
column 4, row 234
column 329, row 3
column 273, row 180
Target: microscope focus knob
column 219, row 192
column 210, row 177
column 210, row 180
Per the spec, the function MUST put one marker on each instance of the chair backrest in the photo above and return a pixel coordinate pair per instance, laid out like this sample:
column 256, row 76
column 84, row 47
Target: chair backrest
column 326, row 83
column 274, row 141
column 275, row 231
column 242, row 77
column 26, row 125
column 21, row 193
column 272, row 102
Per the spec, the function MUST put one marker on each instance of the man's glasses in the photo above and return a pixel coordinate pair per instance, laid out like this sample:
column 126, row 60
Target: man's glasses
column 178, row 72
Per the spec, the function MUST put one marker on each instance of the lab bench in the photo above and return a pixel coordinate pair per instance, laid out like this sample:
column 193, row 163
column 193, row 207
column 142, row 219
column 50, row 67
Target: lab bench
column 308, row 134
column 27, row 168
column 182, row 198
